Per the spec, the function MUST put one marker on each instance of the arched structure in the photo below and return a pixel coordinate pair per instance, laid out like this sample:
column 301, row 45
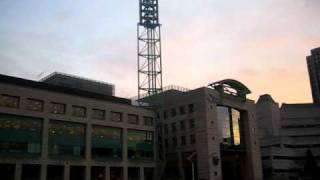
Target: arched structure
column 232, row 87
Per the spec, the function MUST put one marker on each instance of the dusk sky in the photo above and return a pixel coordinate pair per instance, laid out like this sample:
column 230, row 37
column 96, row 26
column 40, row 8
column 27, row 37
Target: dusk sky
column 262, row 43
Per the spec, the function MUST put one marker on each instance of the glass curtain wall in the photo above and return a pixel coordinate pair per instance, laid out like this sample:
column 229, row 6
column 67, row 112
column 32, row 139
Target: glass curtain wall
column 229, row 125
column 20, row 135
column 106, row 142
column 66, row 139
column 140, row 145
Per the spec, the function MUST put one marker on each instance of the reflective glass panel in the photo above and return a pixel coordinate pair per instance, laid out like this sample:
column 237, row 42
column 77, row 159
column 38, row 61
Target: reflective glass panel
column 140, row 144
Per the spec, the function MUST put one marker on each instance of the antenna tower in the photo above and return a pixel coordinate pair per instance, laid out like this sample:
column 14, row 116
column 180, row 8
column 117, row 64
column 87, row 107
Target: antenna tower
column 149, row 49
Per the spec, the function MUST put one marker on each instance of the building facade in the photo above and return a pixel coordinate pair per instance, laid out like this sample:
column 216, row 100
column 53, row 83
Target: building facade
column 286, row 134
column 208, row 133
column 313, row 62
column 57, row 132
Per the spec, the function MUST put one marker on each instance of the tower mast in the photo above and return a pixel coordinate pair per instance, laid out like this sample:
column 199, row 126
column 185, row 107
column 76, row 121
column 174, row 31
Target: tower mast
column 149, row 49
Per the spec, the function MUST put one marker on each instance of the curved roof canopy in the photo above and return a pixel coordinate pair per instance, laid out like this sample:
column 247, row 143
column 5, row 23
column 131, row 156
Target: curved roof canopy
column 231, row 86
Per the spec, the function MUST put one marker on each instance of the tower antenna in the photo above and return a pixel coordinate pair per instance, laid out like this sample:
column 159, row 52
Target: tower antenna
column 149, row 49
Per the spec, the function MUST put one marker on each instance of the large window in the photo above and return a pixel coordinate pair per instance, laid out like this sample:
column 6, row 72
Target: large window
column 34, row 105
column 58, row 108
column 106, row 142
column 79, row 111
column 229, row 125
column 9, row 101
column 66, row 139
column 140, row 144
column 98, row 114
column 133, row 119
column 116, row 116
column 20, row 135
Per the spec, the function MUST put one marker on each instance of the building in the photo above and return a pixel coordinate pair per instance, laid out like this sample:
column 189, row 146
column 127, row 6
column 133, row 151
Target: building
column 69, row 128
column 208, row 133
column 287, row 133
column 313, row 62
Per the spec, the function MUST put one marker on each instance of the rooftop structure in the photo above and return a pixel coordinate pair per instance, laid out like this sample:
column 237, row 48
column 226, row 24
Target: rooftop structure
column 313, row 62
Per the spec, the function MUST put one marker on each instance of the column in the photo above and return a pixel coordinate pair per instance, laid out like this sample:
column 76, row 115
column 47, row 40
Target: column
column 125, row 145
column 180, row 164
column 107, row 173
column 88, row 142
column 45, row 139
column 88, row 173
column 18, row 171
column 66, row 174
column 141, row 173
column 125, row 173
column 43, row 172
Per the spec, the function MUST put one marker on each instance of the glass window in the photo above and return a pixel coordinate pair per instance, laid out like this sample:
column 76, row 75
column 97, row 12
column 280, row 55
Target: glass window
column 58, row 108
column 106, row 142
column 173, row 112
column 66, row 139
column 34, row 105
column 229, row 125
column 182, row 125
column 166, row 129
column 183, row 140
column 182, row 110
column 191, row 108
column 20, row 135
column 116, row 116
column 173, row 127
column 133, row 119
column 166, row 142
column 192, row 139
column 148, row 121
column 9, row 101
column 79, row 111
column 192, row 123
column 140, row 144
column 98, row 114
column 165, row 114
column 175, row 141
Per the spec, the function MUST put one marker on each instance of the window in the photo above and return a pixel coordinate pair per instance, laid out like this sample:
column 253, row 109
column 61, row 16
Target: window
column 58, row 108
column 173, row 127
column 173, row 112
column 182, row 110
column 116, row 116
column 106, row 142
column 133, row 119
column 192, row 123
column 66, row 139
column 175, row 141
column 98, row 114
column 182, row 125
column 191, row 108
column 183, row 141
column 166, row 143
column 34, row 105
column 9, row 101
column 192, row 139
column 148, row 121
column 166, row 129
column 79, row 111
column 140, row 145
column 165, row 114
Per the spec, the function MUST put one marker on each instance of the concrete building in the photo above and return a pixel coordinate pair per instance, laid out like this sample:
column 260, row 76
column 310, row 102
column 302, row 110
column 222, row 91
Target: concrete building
column 313, row 62
column 286, row 134
column 208, row 133
column 72, row 130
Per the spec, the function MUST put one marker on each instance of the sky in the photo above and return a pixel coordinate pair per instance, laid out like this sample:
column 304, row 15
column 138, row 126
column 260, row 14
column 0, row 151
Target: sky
column 262, row 43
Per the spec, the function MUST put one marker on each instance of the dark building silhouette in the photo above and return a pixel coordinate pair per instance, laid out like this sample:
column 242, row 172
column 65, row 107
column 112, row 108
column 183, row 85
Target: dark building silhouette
column 313, row 62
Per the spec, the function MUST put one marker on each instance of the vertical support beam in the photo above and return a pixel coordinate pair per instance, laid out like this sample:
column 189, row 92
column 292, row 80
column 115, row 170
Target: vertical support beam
column 88, row 173
column 18, row 172
column 107, row 173
column 43, row 172
column 125, row 172
column 45, row 139
column 88, row 142
column 180, row 163
column 141, row 173
column 66, row 172
column 125, row 145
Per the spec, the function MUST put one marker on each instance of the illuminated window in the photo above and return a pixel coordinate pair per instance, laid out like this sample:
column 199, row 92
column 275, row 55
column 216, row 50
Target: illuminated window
column 116, row 116
column 9, row 101
column 133, row 119
column 34, row 105
column 58, row 108
column 140, row 145
column 98, row 114
column 148, row 121
column 79, row 111
column 106, row 142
